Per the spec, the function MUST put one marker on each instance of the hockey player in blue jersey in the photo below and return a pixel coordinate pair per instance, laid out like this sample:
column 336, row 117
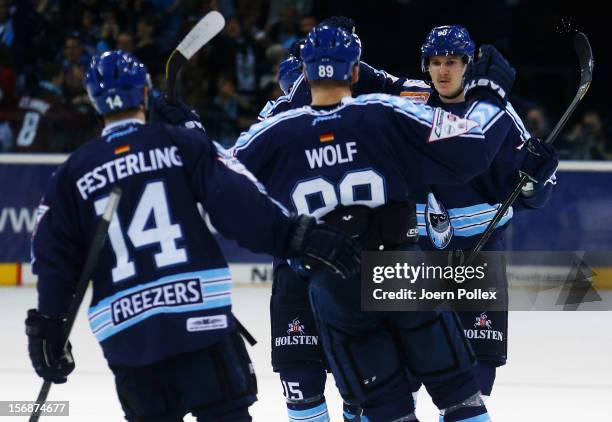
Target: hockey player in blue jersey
column 161, row 306
column 296, row 88
column 303, row 366
column 454, row 217
column 535, row 160
column 372, row 151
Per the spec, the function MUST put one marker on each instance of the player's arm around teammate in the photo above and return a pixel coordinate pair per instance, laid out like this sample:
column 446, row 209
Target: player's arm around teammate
column 161, row 306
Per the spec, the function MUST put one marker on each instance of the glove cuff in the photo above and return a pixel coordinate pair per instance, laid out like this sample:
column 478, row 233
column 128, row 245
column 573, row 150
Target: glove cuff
column 297, row 235
column 42, row 327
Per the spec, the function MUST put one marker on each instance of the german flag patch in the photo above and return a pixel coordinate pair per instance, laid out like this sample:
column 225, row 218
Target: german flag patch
column 326, row 137
column 122, row 149
column 416, row 97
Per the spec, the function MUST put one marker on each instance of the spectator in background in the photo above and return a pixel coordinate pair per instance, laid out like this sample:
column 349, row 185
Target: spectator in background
column 7, row 34
column 8, row 81
column 110, row 28
column 125, row 42
column 307, row 24
column 251, row 13
column 195, row 85
column 236, row 53
column 73, row 53
column 172, row 14
column 74, row 92
column 232, row 107
column 537, row 122
column 587, row 140
column 91, row 40
column 276, row 7
column 146, row 49
column 285, row 31
column 41, row 121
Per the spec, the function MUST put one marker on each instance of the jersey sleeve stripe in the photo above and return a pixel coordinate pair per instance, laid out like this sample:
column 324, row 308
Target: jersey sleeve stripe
column 518, row 122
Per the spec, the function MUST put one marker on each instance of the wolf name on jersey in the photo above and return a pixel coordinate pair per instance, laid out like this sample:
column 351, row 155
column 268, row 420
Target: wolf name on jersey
column 369, row 150
column 160, row 271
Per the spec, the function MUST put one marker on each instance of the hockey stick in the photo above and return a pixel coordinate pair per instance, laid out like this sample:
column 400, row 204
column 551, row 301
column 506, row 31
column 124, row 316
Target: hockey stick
column 90, row 265
column 204, row 31
column 585, row 58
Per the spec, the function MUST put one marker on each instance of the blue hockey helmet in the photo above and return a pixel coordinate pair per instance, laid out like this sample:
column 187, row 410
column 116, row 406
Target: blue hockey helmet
column 288, row 71
column 447, row 40
column 115, row 81
column 329, row 53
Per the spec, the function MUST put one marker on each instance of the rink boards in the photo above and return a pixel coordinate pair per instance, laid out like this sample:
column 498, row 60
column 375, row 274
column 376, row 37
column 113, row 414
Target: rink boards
column 576, row 219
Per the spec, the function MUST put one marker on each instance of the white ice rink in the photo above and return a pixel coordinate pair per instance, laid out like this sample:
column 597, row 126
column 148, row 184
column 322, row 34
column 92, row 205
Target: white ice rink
column 560, row 367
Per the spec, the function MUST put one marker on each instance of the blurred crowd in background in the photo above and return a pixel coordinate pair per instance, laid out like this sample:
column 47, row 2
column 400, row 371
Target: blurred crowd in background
column 45, row 46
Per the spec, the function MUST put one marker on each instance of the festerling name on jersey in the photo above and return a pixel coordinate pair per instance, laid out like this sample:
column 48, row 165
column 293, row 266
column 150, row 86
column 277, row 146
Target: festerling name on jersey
column 128, row 165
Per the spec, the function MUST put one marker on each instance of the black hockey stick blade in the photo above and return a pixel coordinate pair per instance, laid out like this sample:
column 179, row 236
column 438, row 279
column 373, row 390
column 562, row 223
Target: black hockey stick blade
column 204, row 31
column 90, row 265
column 585, row 58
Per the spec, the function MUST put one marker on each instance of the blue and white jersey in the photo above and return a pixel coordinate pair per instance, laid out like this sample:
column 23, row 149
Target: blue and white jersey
column 454, row 217
column 161, row 286
column 369, row 150
column 371, row 80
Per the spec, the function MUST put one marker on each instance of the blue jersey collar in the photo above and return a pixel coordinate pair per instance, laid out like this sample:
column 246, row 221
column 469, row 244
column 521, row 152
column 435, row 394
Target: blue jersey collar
column 111, row 127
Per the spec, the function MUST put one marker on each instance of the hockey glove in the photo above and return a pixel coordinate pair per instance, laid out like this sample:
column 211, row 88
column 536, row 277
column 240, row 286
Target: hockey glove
column 326, row 245
column 176, row 114
column 541, row 161
column 489, row 78
column 44, row 346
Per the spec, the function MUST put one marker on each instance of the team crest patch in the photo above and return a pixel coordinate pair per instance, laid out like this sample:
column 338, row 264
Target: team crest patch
column 295, row 327
column 483, row 321
column 447, row 125
column 483, row 330
column 438, row 224
column 296, row 336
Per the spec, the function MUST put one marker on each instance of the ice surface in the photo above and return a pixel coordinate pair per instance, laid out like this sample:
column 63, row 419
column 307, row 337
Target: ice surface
column 560, row 366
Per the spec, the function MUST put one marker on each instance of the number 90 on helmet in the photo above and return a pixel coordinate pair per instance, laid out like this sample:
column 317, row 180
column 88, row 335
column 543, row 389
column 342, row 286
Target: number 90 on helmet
column 329, row 53
column 115, row 81
column 447, row 40
column 288, row 71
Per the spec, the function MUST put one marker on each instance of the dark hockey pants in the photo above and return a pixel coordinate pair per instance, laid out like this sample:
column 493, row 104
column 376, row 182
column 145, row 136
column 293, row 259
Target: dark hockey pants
column 214, row 384
column 372, row 352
